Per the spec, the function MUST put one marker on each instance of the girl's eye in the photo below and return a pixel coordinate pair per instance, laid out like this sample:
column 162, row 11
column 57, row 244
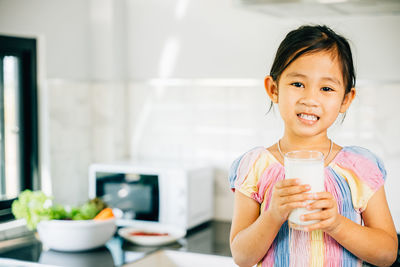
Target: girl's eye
column 326, row 89
column 297, row 84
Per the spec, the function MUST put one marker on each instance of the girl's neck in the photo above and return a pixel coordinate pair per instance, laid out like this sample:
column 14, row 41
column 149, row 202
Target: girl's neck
column 291, row 142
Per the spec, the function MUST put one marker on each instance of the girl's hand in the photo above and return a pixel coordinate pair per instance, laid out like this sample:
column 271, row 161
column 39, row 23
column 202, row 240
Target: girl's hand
column 328, row 216
column 287, row 195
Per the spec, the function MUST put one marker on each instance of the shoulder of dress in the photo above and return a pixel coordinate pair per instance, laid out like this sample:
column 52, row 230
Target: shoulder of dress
column 247, row 162
column 252, row 156
column 362, row 152
column 361, row 160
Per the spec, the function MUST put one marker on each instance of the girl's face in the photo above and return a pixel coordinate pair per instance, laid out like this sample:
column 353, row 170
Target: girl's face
column 310, row 94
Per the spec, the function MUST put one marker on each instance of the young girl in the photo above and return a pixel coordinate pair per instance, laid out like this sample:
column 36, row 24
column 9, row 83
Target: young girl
column 311, row 80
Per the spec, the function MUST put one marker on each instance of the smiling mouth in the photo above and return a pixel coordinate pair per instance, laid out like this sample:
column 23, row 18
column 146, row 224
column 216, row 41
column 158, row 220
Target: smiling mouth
column 309, row 117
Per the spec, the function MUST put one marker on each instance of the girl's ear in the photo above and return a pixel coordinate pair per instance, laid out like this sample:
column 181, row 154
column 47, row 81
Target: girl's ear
column 348, row 98
column 271, row 88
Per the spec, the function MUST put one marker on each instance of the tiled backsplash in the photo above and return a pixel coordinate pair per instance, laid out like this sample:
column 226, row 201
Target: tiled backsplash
column 208, row 121
column 69, row 139
column 86, row 124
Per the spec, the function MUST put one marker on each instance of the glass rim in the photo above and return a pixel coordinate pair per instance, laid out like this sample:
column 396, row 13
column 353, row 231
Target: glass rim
column 313, row 152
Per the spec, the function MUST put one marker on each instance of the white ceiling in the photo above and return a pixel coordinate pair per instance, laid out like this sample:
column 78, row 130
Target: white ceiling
column 322, row 8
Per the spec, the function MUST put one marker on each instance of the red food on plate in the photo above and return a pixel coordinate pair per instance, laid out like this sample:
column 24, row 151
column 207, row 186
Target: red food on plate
column 148, row 234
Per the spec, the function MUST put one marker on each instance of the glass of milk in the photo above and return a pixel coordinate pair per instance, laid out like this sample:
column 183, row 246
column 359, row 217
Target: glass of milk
column 308, row 166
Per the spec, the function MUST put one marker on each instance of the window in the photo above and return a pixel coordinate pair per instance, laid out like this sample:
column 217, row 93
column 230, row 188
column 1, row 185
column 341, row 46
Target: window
column 18, row 120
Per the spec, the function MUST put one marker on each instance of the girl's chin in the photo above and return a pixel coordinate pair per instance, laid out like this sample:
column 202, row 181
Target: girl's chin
column 306, row 133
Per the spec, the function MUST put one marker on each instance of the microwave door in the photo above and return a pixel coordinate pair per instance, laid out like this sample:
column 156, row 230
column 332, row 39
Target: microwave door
column 137, row 196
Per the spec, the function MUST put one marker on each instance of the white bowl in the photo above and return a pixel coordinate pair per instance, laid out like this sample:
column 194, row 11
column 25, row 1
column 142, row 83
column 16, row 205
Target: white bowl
column 69, row 235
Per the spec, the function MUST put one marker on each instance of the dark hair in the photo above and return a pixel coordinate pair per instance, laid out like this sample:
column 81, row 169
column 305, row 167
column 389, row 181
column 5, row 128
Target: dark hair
column 310, row 39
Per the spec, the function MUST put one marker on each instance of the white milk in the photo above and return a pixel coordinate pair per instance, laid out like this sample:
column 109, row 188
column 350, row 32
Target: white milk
column 308, row 166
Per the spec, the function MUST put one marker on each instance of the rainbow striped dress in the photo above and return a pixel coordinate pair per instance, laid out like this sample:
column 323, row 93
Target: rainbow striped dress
column 353, row 176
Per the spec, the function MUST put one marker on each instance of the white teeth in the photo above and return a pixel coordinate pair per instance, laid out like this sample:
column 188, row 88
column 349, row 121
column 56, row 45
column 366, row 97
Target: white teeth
column 308, row 117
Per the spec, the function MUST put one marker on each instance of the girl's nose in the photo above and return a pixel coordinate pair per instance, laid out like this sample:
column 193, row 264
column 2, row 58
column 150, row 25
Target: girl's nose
column 310, row 97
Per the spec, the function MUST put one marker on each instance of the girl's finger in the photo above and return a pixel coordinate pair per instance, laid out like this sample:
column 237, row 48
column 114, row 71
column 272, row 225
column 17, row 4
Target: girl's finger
column 321, row 195
column 320, row 204
column 292, row 190
column 317, row 226
column 318, row 215
column 293, row 205
column 287, row 182
column 294, row 198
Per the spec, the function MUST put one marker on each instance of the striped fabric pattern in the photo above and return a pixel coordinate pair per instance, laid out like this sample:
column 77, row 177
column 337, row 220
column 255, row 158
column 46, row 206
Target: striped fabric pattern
column 352, row 178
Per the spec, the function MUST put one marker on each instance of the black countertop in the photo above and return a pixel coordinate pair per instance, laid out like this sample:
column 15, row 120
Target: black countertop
column 209, row 238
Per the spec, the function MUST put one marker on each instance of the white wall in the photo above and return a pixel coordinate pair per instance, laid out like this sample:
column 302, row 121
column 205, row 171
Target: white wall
column 217, row 39
column 86, row 39
column 104, row 103
column 64, row 26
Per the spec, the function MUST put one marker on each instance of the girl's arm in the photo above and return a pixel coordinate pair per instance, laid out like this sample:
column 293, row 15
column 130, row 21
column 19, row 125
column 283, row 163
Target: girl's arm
column 376, row 242
column 252, row 233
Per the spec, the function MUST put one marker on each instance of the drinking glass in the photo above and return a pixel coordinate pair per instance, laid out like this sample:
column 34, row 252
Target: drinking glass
column 308, row 166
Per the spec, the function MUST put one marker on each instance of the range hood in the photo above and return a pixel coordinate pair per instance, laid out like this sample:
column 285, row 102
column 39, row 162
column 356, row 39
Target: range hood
column 322, row 8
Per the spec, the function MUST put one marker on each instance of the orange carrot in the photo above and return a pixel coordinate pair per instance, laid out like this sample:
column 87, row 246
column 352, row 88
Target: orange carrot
column 104, row 214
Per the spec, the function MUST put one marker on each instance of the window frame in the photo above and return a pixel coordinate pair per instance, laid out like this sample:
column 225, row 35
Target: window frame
column 26, row 51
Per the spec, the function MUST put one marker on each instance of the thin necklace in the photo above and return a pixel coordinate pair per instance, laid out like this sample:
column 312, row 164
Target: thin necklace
column 283, row 156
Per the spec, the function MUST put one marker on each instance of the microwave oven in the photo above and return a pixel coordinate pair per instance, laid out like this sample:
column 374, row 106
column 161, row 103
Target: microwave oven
column 182, row 196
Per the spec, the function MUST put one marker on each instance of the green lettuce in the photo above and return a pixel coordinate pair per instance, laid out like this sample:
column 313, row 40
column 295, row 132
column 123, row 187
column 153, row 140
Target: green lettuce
column 35, row 206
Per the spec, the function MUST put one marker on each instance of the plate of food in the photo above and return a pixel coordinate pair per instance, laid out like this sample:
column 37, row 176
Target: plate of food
column 152, row 236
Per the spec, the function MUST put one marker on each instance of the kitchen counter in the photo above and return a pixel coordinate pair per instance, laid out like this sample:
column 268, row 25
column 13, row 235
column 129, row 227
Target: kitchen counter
column 209, row 238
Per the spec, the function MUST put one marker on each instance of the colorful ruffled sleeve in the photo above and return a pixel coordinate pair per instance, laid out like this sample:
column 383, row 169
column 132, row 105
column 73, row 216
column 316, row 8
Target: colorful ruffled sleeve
column 364, row 173
column 248, row 171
